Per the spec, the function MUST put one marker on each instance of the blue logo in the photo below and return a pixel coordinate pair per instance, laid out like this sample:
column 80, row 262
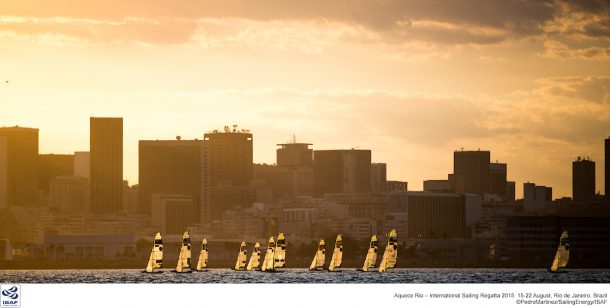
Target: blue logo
column 11, row 293
column 10, row 296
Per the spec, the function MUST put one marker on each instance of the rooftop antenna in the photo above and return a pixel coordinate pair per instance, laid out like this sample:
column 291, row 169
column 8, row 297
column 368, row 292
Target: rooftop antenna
column 294, row 138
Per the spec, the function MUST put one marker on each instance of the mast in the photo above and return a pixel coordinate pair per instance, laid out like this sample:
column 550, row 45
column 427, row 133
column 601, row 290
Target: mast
column 390, row 255
column 319, row 258
column 563, row 253
column 280, row 252
column 156, row 255
column 184, row 259
column 268, row 262
column 203, row 255
column 255, row 257
column 371, row 255
column 336, row 259
column 242, row 257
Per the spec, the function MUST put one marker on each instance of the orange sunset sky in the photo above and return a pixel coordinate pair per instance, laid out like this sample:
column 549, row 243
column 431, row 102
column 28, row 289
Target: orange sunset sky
column 411, row 80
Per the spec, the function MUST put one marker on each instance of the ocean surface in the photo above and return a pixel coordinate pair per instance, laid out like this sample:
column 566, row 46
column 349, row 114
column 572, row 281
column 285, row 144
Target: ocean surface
column 402, row 275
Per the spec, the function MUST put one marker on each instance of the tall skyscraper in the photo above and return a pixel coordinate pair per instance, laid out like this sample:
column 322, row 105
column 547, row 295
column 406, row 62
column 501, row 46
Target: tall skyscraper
column 583, row 179
column 106, row 165
column 535, row 197
column 342, row 171
column 607, row 167
column 379, row 177
column 497, row 184
column 173, row 167
column 471, row 171
column 230, row 156
column 295, row 155
column 18, row 166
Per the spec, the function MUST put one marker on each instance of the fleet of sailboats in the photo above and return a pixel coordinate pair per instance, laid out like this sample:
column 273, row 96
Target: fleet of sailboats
column 275, row 255
column 242, row 257
column 563, row 254
column 319, row 258
column 255, row 257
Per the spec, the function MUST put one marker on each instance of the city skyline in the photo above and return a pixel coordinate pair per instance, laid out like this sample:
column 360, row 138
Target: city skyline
column 413, row 185
column 412, row 81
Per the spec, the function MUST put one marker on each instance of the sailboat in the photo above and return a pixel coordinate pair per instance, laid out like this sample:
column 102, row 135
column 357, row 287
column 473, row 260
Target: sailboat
column 203, row 256
column 371, row 255
column 242, row 258
column 319, row 258
column 255, row 257
column 184, row 259
column 335, row 261
column 388, row 261
column 279, row 254
column 156, row 255
column 563, row 254
column 268, row 262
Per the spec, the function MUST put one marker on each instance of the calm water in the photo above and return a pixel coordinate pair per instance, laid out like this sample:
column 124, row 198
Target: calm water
column 305, row 276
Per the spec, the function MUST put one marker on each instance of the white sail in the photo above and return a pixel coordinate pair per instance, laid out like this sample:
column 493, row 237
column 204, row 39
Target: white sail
column 280, row 252
column 184, row 259
column 156, row 255
column 388, row 261
column 563, row 253
column 319, row 258
column 268, row 261
column 371, row 255
column 255, row 257
column 335, row 261
column 242, row 258
column 203, row 255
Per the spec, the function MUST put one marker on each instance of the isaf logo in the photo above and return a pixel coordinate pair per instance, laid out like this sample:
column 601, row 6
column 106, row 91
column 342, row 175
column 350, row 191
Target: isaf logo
column 10, row 296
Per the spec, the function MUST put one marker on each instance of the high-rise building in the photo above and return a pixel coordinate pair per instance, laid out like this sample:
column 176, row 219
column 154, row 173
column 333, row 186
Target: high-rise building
column 82, row 165
column 510, row 190
column 607, row 167
column 471, row 171
column 536, row 197
column 498, row 174
column 397, row 185
column 230, row 156
column 18, row 166
column 342, row 171
column 295, row 155
column 69, row 194
column 379, row 177
column 172, row 213
column 171, row 167
column 51, row 166
column 583, row 179
column 106, row 165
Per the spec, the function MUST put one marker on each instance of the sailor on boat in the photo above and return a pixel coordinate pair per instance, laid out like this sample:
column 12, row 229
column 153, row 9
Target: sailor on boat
column 269, row 260
column 337, row 257
column 563, row 254
column 371, row 255
column 388, row 261
column 203, row 256
column 156, row 256
column 279, row 254
column 319, row 258
column 184, row 259
column 255, row 257
column 242, row 258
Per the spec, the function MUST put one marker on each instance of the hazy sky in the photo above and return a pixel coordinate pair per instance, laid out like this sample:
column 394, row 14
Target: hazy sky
column 411, row 80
